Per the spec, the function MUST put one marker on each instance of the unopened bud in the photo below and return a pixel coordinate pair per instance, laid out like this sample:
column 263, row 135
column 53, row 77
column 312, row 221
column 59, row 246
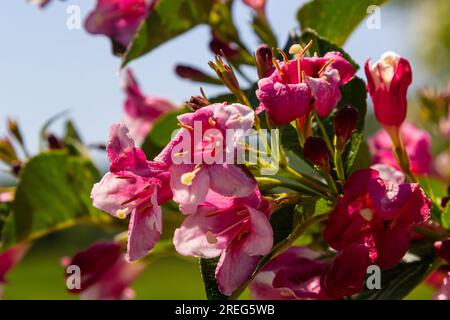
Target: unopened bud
column 226, row 74
column 218, row 46
column 54, row 143
column 263, row 57
column 345, row 122
column 194, row 74
column 315, row 150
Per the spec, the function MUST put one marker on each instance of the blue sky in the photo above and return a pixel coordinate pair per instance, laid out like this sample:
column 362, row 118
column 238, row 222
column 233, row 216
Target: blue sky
column 46, row 68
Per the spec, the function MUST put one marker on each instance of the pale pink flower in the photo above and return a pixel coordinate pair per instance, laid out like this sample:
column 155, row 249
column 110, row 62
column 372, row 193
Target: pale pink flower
column 236, row 229
column 417, row 144
column 142, row 111
column 136, row 187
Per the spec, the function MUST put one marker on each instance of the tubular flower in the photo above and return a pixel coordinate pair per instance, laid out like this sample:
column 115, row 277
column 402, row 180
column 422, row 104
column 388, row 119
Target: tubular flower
column 142, row 111
column 9, row 259
column 236, row 229
column 105, row 274
column 293, row 90
column 388, row 81
column 203, row 153
column 417, row 143
column 379, row 214
column 118, row 19
column 136, row 187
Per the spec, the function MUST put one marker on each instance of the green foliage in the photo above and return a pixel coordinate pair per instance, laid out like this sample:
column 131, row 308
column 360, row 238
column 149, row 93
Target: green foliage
column 53, row 193
column 334, row 19
column 445, row 218
column 398, row 282
column 208, row 269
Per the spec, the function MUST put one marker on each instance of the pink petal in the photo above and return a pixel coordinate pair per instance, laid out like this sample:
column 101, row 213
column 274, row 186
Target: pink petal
column 144, row 230
column 238, row 183
column 260, row 240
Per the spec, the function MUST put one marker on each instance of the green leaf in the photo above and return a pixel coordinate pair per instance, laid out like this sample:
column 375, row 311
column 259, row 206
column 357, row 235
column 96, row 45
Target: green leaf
column 398, row 282
column 208, row 270
column 445, row 217
column 171, row 18
column 334, row 19
column 161, row 133
column 53, row 193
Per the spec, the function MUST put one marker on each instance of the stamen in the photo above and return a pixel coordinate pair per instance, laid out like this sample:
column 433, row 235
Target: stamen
column 326, row 65
column 181, row 154
column 185, row 126
column 297, row 50
column 367, row 214
column 277, row 66
column 122, row 213
column 212, row 122
column 285, row 58
column 188, row 177
column 211, row 238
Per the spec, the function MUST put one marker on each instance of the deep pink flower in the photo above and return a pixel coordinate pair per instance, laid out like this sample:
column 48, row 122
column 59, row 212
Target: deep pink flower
column 417, row 143
column 346, row 274
column 142, row 111
column 201, row 151
column 388, row 81
column 133, row 186
column 300, row 274
column 117, row 19
column 379, row 214
column 443, row 249
column 442, row 165
column 285, row 97
column 258, row 5
column 444, row 291
column 295, row 274
column 8, row 261
column 105, row 274
column 236, row 229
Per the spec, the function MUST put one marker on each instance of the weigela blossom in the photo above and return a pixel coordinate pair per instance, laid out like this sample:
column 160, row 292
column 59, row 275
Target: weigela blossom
column 444, row 292
column 8, row 261
column 136, row 187
column 105, row 274
column 379, row 214
column 258, row 5
column 236, row 229
column 417, row 143
column 388, row 81
column 118, row 19
column 291, row 92
column 300, row 274
column 142, row 111
column 199, row 155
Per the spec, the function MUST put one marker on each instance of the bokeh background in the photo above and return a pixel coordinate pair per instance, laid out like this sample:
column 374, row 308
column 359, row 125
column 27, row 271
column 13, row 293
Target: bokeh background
column 46, row 68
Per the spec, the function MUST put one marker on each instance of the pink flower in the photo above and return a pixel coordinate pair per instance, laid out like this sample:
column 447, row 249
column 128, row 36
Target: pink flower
column 6, row 196
column 258, row 5
column 8, row 261
column 117, row 19
column 105, row 274
column 379, row 214
column 443, row 249
column 295, row 274
column 442, row 164
column 236, row 229
column 346, row 274
column 388, row 81
column 200, row 155
column 285, row 97
column 417, row 144
column 133, row 186
column 300, row 274
column 142, row 111
column 444, row 292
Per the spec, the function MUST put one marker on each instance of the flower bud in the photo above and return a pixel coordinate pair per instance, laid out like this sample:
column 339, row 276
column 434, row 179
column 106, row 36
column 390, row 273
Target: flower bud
column 316, row 151
column 258, row 6
column 345, row 122
column 263, row 58
column 388, row 82
column 14, row 129
column 443, row 249
column 226, row 74
column 194, row 74
column 219, row 47
column 197, row 102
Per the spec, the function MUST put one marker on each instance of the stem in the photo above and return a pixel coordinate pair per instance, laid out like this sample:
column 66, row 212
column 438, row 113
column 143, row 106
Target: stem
column 400, row 152
column 339, row 167
column 278, row 249
column 309, row 181
column 324, row 133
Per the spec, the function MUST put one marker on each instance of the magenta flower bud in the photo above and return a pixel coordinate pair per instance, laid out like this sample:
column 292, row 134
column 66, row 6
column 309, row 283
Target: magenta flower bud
column 219, row 46
column 443, row 249
column 316, row 151
column 264, row 64
column 194, row 74
column 388, row 82
column 345, row 122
